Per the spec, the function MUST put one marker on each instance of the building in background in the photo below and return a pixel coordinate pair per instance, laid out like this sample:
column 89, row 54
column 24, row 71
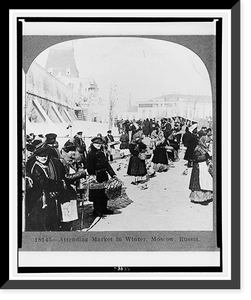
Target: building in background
column 48, row 99
column 61, row 64
column 194, row 107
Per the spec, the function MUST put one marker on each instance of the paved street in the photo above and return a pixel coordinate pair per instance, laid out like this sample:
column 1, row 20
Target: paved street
column 164, row 205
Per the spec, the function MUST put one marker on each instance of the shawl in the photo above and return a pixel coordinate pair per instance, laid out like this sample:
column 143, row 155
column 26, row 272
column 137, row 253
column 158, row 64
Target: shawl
column 48, row 169
column 203, row 146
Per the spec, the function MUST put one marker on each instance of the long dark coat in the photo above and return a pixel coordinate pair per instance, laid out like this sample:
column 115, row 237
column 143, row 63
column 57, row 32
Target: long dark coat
column 109, row 139
column 52, row 183
column 136, row 166
column 185, row 138
column 124, row 139
column 98, row 165
column 192, row 142
column 146, row 128
column 167, row 129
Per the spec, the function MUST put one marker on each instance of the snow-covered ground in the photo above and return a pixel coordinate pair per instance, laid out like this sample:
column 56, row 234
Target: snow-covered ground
column 163, row 206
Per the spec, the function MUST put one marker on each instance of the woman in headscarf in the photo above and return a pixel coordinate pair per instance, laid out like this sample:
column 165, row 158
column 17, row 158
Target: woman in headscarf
column 201, row 181
column 146, row 127
column 191, row 143
column 124, row 144
column 173, row 142
column 137, row 164
column 48, row 191
column 124, row 140
column 160, row 157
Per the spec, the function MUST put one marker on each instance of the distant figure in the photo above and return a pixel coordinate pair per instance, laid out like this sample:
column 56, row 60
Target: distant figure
column 160, row 157
column 191, row 142
column 137, row 165
column 124, row 140
column 78, row 140
column 146, row 127
column 109, row 140
column 186, row 137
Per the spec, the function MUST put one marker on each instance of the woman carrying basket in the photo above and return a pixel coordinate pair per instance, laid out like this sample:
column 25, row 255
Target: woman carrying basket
column 137, row 164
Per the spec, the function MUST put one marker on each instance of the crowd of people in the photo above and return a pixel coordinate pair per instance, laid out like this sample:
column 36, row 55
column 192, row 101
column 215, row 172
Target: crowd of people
column 56, row 178
column 165, row 141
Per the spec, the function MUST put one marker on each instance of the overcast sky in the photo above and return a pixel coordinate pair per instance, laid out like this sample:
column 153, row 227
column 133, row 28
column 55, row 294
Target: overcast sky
column 145, row 68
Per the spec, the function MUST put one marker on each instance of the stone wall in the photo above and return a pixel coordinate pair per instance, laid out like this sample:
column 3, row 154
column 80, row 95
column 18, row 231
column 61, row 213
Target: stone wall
column 51, row 93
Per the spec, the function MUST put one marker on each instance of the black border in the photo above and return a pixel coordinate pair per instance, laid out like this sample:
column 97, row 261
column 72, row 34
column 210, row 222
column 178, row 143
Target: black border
column 19, row 130
column 234, row 283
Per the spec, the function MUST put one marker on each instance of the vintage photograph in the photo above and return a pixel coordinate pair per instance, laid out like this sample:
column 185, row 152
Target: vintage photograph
column 124, row 153
column 118, row 135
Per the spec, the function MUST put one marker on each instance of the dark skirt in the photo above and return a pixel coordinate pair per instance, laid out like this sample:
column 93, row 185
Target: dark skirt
column 194, row 184
column 136, row 167
column 124, row 145
column 43, row 219
column 160, row 156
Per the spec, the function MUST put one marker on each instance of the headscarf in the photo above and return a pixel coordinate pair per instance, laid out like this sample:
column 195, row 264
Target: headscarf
column 191, row 128
column 138, row 136
column 160, row 138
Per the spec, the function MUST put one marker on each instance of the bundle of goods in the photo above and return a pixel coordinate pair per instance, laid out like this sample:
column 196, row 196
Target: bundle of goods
column 113, row 186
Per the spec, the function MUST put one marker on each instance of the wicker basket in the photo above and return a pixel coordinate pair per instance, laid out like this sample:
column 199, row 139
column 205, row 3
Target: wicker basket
column 113, row 186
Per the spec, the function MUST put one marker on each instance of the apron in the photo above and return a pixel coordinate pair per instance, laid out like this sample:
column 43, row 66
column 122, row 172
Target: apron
column 206, row 180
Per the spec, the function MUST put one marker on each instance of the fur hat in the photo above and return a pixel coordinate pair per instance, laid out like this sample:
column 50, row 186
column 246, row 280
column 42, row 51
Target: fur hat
column 69, row 146
column 97, row 140
column 50, row 138
column 42, row 151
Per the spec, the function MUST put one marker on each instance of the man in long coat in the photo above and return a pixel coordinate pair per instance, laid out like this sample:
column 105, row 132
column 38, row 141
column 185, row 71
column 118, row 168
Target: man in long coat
column 99, row 167
column 109, row 142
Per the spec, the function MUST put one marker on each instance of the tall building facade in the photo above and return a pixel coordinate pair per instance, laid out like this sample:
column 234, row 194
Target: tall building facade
column 61, row 64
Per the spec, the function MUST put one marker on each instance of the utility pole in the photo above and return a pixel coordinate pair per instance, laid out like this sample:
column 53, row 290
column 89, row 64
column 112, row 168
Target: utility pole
column 111, row 106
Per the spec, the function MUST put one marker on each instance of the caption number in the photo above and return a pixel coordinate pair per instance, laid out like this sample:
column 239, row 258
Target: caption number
column 122, row 269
